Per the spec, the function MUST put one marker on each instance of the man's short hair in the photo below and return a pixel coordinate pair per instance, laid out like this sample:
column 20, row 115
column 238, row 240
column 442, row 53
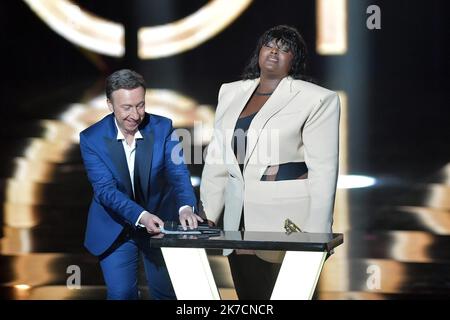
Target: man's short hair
column 123, row 79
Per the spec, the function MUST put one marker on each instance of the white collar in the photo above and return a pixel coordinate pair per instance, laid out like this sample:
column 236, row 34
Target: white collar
column 120, row 135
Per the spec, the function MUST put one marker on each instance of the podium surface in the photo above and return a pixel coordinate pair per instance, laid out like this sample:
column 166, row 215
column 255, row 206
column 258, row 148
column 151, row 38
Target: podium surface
column 296, row 241
column 192, row 278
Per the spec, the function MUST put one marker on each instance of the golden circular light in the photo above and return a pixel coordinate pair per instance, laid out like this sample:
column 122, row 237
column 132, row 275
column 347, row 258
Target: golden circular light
column 191, row 31
column 106, row 37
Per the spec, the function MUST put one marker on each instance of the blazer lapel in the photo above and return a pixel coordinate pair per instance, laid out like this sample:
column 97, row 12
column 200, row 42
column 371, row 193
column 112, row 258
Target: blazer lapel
column 283, row 94
column 144, row 155
column 235, row 108
column 115, row 149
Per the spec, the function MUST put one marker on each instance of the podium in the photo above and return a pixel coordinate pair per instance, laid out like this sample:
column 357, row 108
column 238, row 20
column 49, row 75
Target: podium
column 192, row 278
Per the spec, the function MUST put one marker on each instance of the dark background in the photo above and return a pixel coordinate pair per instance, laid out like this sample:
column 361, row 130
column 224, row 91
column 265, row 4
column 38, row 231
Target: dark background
column 396, row 77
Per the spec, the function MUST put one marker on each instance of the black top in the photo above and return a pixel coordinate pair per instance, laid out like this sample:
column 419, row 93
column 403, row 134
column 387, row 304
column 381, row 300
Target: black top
column 239, row 141
column 253, row 240
column 239, row 146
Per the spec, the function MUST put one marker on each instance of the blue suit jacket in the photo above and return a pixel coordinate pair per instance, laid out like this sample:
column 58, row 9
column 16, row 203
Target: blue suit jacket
column 164, row 178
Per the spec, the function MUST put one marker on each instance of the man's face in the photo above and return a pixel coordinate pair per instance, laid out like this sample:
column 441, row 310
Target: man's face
column 129, row 108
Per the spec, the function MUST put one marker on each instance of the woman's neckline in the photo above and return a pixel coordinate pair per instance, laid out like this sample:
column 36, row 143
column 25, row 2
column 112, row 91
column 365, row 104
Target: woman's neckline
column 250, row 115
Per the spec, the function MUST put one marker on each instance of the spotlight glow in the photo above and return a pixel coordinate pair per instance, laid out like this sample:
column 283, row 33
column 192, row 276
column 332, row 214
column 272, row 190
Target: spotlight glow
column 195, row 181
column 354, row 181
column 22, row 287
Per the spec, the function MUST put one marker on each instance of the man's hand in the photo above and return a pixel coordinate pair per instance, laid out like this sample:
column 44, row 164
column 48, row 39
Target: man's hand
column 192, row 219
column 151, row 222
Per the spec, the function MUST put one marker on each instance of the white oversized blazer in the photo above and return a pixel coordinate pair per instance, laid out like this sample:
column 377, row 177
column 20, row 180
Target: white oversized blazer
column 299, row 122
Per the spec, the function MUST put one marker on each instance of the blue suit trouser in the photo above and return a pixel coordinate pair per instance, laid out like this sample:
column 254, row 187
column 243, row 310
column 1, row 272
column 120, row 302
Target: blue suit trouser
column 120, row 270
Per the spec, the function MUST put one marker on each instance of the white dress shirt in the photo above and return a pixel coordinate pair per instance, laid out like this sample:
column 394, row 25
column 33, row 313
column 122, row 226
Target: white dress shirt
column 130, row 155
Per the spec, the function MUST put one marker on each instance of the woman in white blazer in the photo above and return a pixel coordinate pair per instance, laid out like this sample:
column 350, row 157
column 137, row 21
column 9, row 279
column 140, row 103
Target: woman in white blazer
column 273, row 155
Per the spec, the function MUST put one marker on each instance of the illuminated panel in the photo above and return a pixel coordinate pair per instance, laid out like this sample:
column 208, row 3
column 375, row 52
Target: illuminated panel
column 438, row 196
column 331, row 27
column 187, row 33
column 190, row 274
column 435, row 220
column 393, row 279
column 298, row 275
column 80, row 27
column 411, row 246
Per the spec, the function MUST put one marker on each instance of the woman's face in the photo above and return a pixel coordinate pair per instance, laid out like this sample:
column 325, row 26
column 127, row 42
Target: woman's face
column 275, row 59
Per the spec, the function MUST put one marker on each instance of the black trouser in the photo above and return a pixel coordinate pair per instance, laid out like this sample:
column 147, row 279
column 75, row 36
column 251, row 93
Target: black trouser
column 253, row 277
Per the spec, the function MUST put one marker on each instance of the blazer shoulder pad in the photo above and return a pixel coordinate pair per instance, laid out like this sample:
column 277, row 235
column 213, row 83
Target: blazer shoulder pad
column 314, row 88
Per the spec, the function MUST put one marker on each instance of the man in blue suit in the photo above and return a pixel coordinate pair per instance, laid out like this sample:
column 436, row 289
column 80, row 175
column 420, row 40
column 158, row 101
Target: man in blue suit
column 138, row 181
